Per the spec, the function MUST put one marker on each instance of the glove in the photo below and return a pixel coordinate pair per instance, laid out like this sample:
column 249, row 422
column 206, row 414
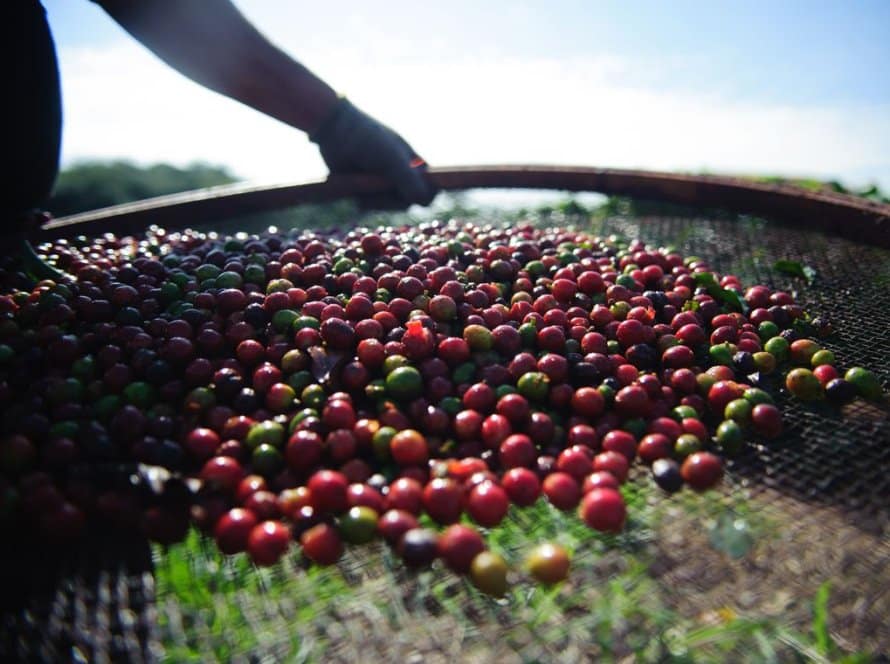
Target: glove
column 351, row 141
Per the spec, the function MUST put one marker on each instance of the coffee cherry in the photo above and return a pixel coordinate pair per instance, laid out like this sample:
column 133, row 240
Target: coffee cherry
column 409, row 448
column 322, row 544
column 562, row 490
column 702, row 470
column 603, row 509
column 267, row 542
column 487, row 504
column 803, row 384
column 458, row 546
column 443, row 500
column 418, row 547
column 488, row 571
column 359, row 524
column 548, row 563
column 522, row 486
column 395, row 523
column 328, row 490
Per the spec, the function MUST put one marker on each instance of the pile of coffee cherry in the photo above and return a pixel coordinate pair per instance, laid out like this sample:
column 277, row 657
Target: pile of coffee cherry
column 411, row 384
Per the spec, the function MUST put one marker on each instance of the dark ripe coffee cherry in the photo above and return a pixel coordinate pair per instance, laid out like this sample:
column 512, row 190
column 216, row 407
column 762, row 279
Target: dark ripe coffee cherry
column 337, row 334
column 642, row 356
column 506, row 340
column 678, row 357
column 372, row 245
column 418, row 547
column 666, row 426
column 338, row 414
column 540, row 428
column 552, row 338
column 840, row 391
column 17, row 454
column 744, row 363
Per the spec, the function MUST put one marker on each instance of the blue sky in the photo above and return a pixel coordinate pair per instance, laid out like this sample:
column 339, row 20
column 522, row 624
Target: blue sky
column 780, row 87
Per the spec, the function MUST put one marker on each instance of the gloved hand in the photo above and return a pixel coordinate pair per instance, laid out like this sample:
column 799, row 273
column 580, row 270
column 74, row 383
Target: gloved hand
column 351, row 141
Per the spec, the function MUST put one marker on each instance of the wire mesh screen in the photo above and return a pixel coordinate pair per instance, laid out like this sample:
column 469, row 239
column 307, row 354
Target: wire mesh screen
column 789, row 559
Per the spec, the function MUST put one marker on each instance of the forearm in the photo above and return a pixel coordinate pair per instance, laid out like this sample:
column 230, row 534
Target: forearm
column 213, row 44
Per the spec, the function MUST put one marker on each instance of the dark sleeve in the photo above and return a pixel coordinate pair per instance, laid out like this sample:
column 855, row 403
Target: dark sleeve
column 33, row 126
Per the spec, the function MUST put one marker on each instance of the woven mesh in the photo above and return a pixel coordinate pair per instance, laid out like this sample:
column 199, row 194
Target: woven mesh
column 824, row 485
column 808, row 508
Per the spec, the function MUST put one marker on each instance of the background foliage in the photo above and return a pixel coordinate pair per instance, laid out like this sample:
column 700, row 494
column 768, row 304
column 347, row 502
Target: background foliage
column 95, row 184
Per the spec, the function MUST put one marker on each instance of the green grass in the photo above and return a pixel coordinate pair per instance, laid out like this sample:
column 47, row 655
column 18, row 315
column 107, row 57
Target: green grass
column 612, row 607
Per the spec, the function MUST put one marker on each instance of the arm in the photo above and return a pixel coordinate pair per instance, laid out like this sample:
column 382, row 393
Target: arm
column 213, row 44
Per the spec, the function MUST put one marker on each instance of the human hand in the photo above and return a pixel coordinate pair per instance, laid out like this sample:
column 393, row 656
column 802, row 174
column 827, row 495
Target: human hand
column 351, row 141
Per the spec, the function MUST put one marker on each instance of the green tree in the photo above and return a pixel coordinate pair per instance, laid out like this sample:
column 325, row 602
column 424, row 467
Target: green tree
column 94, row 184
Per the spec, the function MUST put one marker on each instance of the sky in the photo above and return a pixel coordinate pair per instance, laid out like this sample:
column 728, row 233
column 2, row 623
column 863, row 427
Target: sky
column 780, row 88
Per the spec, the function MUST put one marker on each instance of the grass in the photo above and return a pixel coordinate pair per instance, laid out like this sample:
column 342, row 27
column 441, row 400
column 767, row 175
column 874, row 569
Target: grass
column 612, row 607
